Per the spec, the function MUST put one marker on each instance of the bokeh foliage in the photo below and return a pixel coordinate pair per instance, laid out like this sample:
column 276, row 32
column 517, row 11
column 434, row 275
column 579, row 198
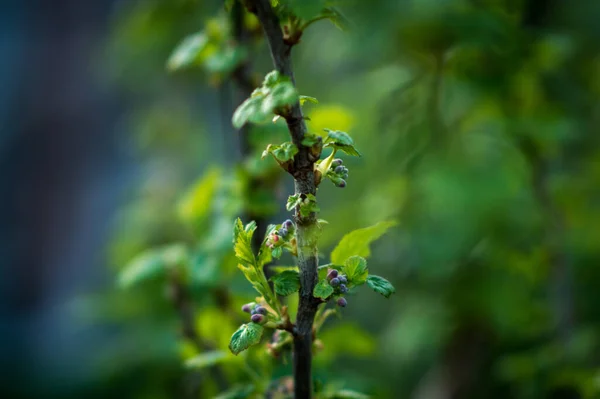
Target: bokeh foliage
column 478, row 125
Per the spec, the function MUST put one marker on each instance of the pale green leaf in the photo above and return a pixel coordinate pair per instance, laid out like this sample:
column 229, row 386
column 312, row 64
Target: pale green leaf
column 286, row 282
column 246, row 336
column 356, row 270
column 206, row 359
column 310, row 99
column 357, row 242
column 323, row 289
column 196, row 204
column 380, row 285
column 293, row 201
column 188, row 51
column 341, row 141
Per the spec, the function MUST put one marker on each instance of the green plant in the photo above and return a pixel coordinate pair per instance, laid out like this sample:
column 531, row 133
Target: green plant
column 301, row 158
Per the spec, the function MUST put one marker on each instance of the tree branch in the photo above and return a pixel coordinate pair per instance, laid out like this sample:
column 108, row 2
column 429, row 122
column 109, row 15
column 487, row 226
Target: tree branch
column 307, row 230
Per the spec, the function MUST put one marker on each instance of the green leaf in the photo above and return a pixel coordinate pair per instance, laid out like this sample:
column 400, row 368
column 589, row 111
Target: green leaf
column 309, row 205
column 152, row 263
column 246, row 336
column 341, row 141
column 380, row 285
column 282, row 94
column 285, row 152
column 277, row 252
column 357, row 242
column 271, row 79
column 310, row 139
column 356, row 270
column 196, row 204
column 323, row 289
column 338, row 19
column 243, row 243
column 293, row 201
column 206, row 359
column 225, row 60
column 286, row 282
column 248, row 111
column 188, row 51
column 310, row 99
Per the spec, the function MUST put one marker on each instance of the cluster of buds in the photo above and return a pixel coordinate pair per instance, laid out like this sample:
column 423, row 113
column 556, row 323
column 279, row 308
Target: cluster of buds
column 338, row 173
column 282, row 236
column 338, row 281
column 258, row 313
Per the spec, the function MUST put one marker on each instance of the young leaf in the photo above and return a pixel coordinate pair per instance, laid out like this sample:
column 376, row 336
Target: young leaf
column 286, row 282
column 357, row 242
column 293, row 201
column 341, row 141
column 310, row 139
column 248, row 111
column 206, row 359
column 277, row 252
column 309, row 205
column 310, row 99
column 283, row 152
column 380, row 285
column 323, row 289
column 246, row 336
column 356, row 270
column 282, row 94
column 188, row 51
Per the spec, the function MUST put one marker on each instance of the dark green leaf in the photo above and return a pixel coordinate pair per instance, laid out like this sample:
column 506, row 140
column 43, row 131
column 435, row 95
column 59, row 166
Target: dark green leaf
column 323, row 289
column 286, row 282
column 380, row 285
column 246, row 336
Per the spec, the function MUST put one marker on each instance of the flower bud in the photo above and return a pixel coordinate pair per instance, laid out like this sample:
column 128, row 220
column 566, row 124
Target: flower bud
column 343, row 279
column 262, row 310
column 336, row 162
column 342, row 184
column 288, row 224
column 343, row 288
column 341, row 302
column 258, row 318
column 335, row 282
column 247, row 308
column 332, row 273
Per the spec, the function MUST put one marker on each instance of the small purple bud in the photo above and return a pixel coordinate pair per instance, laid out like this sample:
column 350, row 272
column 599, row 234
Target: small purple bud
column 283, row 232
column 336, row 162
column 288, row 224
column 335, row 282
column 339, row 169
column 246, row 308
column 343, row 279
column 253, row 312
column 342, row 184
column 343, row 288
column 258, row 318
column 332, row 273
column 261, row 310
column 341, row 302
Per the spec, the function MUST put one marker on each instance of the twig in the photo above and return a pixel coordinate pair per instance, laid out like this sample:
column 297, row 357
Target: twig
column 304, row 183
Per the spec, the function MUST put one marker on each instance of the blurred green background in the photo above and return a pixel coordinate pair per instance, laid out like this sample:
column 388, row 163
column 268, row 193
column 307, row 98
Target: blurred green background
column 478, row 123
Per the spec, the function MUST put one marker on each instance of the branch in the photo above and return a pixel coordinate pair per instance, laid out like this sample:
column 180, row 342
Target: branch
column 304, row 183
